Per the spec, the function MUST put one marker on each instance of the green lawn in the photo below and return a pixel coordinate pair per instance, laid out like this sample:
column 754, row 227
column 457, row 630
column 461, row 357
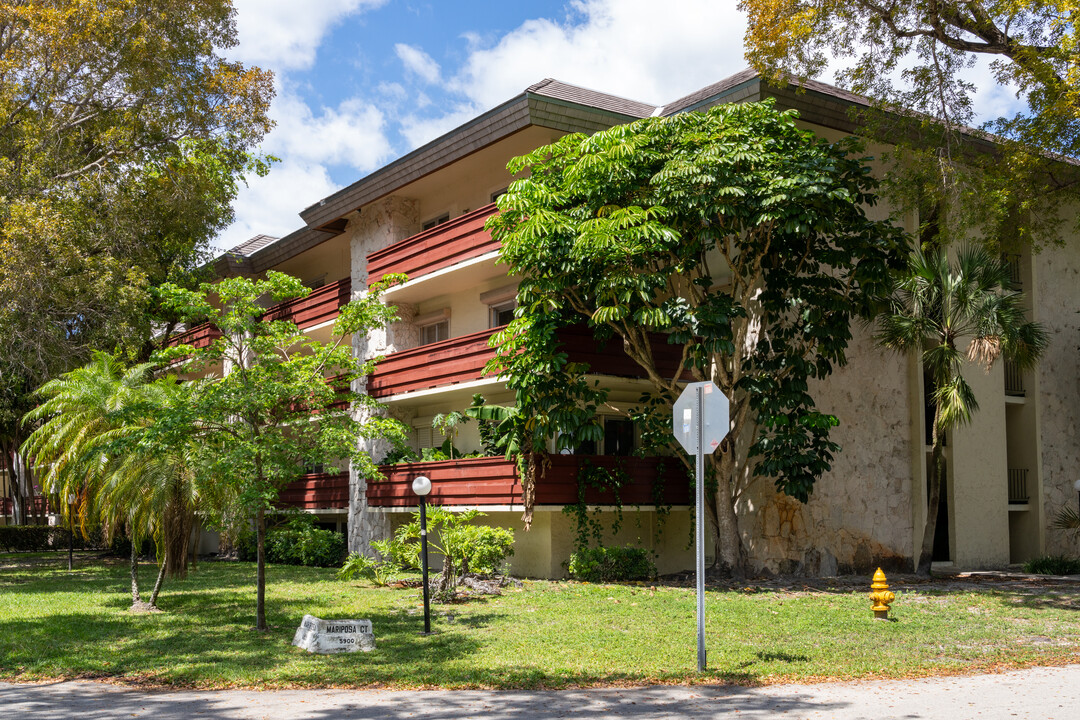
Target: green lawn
column 549, row 634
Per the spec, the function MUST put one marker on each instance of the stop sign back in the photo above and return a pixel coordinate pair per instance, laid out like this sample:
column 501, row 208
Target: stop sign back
column 711, row 409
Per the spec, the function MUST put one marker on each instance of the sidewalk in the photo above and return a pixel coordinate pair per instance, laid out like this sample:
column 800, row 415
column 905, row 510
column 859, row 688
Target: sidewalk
column 1037, row 694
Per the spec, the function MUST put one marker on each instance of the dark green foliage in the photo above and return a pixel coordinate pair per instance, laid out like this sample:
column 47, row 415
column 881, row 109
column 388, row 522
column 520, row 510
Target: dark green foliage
column 299, row 542
column 732, row 234
column 296, row 542
column 42, row 538
column 1053, row 565
column 611, row 564
column 589, row 527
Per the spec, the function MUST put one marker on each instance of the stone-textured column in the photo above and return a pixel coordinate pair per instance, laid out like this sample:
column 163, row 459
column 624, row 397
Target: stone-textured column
column 377, row 226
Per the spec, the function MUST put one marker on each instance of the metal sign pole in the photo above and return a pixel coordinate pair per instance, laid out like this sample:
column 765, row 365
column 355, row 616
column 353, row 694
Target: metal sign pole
column 700, row 522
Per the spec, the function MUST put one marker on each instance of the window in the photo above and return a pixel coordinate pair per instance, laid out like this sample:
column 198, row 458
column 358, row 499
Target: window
column 434, row 326
column 425, row 436
column 445, row 217
column 495, row 195
column 501, row 303
column 502, row 313
column 315, row 283
column 435, row 332
column 618, row 439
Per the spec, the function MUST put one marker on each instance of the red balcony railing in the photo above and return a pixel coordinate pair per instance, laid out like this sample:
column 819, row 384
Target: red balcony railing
column 449, row 362
column 35, row 506
column 319, row 306
column 609, row 358
column 494, row 481
column 442, row 246
column 462, row 359
column 468, row 481
column 317, row 492
column 198, row 337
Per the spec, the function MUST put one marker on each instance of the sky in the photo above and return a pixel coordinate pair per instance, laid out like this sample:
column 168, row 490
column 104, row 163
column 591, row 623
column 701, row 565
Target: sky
column 362, row 82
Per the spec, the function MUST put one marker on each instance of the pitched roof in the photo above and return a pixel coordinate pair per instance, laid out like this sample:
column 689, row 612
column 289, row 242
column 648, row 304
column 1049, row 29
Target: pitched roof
column 252, row 246
column 583, row 96
column 710, row 92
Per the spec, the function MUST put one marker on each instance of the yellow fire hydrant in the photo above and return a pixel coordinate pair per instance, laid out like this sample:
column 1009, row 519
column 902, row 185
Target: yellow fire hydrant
column 880, row 597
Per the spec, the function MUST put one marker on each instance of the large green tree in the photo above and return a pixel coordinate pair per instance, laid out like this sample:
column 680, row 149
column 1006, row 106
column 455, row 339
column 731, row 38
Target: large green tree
column 917, row 55
column 936, row 309
column 732, row 234
column 275, row 400
column 123, row 134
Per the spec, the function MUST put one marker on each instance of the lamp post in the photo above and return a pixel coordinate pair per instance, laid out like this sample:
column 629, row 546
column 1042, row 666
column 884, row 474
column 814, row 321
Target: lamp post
column 422, row 486
column 71, row 530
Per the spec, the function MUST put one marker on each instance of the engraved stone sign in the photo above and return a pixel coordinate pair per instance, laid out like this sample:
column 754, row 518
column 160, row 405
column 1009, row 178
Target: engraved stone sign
column 334, row 636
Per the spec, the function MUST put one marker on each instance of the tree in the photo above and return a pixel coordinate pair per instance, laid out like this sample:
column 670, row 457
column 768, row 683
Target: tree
column 937, row 306
column 123, row 135
column 281, row 402
column 914, row 55
column 730, row 234
column 94, row 443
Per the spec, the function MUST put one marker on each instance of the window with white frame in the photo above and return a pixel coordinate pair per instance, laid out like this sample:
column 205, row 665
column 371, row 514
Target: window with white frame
column 501, row 303
column 434, row 326
column 434, row 222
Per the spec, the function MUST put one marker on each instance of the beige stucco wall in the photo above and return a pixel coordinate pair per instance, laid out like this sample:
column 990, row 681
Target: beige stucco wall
column 979, row 491
column 544, row 549
column 859, row 515
column 1057, row 305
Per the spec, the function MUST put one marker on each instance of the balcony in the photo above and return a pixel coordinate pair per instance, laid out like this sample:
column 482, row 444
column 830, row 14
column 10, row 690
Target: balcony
column 1014, row 380
column 493, row 481
column 462, row 359
column 1018, row 486
column 443, row 246
column 317, row 492
column 36, row 507
column 449, row 362
column 320, row 306
column 198, row 337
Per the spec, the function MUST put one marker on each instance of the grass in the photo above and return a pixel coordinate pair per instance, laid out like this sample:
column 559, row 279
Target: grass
column 55, row 624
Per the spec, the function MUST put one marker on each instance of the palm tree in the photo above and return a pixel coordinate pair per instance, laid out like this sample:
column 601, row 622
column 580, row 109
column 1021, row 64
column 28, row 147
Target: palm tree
column 99, row 441
column 937, row 306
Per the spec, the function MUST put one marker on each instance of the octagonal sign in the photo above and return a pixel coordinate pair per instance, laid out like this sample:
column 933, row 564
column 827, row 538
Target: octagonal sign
column 710, row 408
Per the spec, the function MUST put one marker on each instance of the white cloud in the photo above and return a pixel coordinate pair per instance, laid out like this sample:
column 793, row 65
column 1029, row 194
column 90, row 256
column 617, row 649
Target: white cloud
column 353, row 133
column 418, row 62
column 632, row 48
column 284, row 34
column 269, row 205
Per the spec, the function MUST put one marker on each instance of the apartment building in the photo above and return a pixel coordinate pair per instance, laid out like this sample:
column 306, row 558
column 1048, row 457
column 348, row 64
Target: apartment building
column 423, row 215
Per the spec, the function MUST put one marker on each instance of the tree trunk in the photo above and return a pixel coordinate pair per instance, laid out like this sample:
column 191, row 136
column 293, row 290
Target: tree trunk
column 730, row 553
column 260, row 581
column 160, row 579
column 135, row 599
column 937, row 469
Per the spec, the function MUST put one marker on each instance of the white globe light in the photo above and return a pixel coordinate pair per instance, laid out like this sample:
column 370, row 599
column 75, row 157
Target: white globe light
column 421, row 485
column 1076, row 486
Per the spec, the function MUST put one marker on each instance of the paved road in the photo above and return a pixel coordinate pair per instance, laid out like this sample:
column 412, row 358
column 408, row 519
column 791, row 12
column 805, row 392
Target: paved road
column 1038, row 694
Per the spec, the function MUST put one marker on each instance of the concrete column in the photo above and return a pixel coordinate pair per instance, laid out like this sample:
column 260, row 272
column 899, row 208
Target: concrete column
column 377, row 226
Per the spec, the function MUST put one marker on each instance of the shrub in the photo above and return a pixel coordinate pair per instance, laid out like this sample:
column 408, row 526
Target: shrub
column 484, row 548
column 299, row 542
column 31, row 538
column 607, row 564
column 1053, row 565
column 381, row 571
column 43, row 538
column 465, row 547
